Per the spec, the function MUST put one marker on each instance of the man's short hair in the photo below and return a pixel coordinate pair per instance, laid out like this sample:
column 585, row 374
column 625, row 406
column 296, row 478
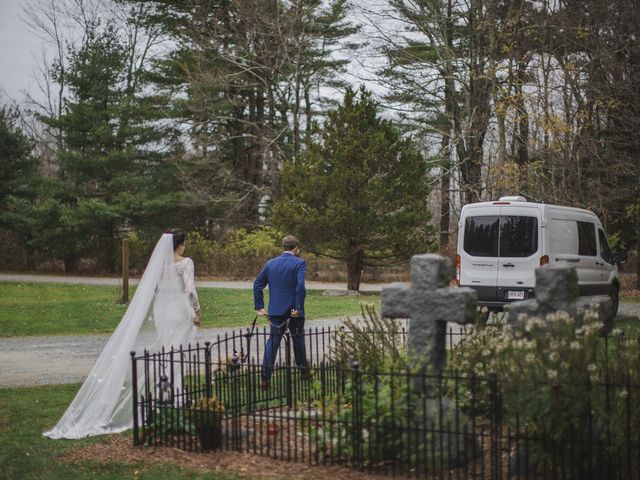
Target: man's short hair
column 289, row 242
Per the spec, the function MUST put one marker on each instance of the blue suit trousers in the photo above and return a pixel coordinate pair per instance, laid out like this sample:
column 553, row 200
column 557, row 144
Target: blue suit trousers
column 277, row 329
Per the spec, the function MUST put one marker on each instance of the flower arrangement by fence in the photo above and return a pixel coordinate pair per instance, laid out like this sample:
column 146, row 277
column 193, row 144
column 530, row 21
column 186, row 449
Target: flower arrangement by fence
column 207, row 419
column 498, row 411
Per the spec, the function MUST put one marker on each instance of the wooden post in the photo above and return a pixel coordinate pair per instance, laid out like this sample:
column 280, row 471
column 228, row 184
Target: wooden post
column 125, row 271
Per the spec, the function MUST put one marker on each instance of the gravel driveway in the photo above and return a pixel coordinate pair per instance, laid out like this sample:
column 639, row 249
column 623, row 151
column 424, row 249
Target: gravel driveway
column 47, row 360
column 26, row 361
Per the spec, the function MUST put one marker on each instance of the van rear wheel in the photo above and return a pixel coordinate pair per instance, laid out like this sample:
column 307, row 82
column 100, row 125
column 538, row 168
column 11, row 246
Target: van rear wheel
column 614, row 294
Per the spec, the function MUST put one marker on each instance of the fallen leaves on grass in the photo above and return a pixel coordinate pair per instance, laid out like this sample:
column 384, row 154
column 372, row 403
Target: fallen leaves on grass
column 630, row 293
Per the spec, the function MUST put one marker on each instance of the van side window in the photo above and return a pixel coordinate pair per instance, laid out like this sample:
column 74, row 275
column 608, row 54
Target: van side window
column 563, row 236
column 605, row 250
column 518, row 236
column 587, row 239
column 481, row 236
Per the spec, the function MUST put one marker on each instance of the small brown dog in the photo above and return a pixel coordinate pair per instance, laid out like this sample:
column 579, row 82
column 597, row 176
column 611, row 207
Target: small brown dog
column 230, row 364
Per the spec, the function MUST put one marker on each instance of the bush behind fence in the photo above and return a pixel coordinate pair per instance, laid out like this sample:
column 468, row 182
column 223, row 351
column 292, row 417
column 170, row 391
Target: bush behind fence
column 240, row 254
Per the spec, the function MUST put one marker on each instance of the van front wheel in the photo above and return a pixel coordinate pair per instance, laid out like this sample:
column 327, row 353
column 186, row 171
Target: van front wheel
column 614, row 294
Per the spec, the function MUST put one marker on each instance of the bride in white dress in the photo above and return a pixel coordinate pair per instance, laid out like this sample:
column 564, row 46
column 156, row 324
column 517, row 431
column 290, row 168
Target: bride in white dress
column 163, row 312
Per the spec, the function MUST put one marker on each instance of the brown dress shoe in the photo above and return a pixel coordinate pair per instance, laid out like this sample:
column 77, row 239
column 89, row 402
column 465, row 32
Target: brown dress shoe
column 264, row 384
column 305, row 375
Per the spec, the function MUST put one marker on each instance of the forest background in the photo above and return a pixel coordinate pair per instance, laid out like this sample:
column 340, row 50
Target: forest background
column 361, row 127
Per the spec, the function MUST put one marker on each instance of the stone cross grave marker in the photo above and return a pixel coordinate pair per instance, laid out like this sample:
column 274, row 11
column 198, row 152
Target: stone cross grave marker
column 557, row 290
column 429, row 303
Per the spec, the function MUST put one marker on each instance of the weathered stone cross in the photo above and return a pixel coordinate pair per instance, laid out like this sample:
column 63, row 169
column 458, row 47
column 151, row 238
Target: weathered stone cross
column 557, row 290
column 429, row 304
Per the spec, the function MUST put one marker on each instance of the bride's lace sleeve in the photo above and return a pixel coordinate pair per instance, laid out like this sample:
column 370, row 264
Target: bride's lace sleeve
column 188, row 277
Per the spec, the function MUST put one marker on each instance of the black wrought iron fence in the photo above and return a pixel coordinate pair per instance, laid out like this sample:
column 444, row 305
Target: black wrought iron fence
column 228, row 368
column 398, row 423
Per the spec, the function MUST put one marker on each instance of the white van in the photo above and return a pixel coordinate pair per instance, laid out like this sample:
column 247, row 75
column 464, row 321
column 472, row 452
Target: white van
column 500, row 244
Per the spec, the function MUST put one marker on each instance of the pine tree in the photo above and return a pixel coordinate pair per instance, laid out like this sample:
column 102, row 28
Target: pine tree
column 111, row 170
column 18, row 182
column 243, row 77
column 359, row 194
column 18, row 165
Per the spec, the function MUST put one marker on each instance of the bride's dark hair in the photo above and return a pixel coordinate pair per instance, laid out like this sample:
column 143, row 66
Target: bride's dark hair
column 179, row 237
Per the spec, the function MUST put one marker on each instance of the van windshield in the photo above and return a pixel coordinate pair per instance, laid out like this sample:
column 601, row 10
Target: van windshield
column 511, row 235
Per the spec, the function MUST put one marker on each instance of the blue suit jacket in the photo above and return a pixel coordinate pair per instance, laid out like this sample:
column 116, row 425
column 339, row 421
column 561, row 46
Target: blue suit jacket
column 285, row 277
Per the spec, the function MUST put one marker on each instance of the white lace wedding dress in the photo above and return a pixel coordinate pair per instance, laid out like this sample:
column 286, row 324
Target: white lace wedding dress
column 160, row 314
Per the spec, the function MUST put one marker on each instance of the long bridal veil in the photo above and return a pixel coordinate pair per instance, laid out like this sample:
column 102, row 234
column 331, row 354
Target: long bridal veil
column 159, row 314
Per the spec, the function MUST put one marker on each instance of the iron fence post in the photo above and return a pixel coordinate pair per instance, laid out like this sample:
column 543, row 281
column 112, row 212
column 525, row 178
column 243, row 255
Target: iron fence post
column 357, row 414
column 289, row 375
column 236, row 409
column 147, row 387
column 496, row 468
column 629, row 436
column 250, row 384
column 207, row 369
column 134, row 397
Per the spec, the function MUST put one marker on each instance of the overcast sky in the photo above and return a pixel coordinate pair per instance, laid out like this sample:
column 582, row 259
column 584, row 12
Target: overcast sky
column 19, row 52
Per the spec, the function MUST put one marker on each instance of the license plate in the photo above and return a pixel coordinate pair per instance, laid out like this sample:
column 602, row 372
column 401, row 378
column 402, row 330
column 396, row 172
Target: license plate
column 515, row 295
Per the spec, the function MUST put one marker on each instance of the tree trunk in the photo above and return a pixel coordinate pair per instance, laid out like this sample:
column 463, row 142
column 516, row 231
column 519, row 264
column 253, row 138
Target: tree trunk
column 295, row 114
column 272, row 106
column 236, row 131
column 637, row 254
column 70, row 261
column 445, row 147
column 252, row 170
column 109, row 251
column 252, row 163
column 479, row 109
column 502, row 135
column 638, row 234
column 354, row 269
column 30, row 259
column 307, row 111
column 471, row 169
column 521, row 130
column 445, row 179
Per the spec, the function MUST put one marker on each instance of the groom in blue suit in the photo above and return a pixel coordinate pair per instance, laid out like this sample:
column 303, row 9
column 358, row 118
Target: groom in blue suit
column 285, row 277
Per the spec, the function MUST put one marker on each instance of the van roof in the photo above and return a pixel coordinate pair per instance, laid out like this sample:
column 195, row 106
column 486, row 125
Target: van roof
column 511, row 203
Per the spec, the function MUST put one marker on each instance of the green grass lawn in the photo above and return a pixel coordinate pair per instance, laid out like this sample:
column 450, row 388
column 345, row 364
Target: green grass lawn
column 59, row 309
column 630, row 326
column 25, row 454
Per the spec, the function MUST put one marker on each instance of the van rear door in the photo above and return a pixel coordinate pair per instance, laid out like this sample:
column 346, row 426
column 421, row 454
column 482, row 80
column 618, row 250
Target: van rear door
column 519, row 251
column 479, row 252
